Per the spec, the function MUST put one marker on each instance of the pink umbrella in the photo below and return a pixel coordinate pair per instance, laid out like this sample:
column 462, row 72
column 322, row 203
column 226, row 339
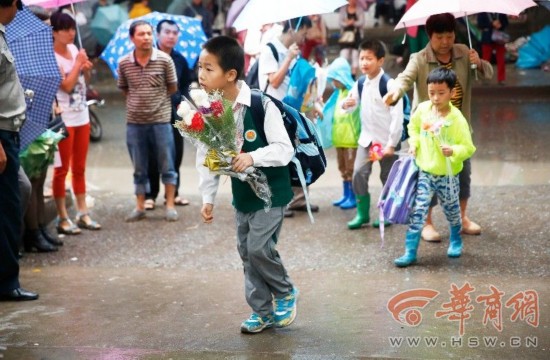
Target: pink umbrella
column 48, row 4
column 423, row 9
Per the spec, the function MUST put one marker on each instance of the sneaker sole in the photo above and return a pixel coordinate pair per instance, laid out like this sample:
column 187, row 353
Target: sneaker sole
column 245, row 330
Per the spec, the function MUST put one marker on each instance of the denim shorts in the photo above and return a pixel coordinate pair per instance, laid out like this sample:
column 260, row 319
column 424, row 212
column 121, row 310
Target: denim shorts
column 157, row 139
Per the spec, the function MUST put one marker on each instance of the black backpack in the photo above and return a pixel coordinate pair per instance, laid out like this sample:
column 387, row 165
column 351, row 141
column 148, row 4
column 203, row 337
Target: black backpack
column 383, row 88
column 252, row 77
column 309, row 161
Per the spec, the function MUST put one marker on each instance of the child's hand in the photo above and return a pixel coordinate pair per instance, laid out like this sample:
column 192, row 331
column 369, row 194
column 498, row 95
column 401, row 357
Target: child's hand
column 446, row 150
column 241, row 162
column 206, row 212
column 348, row 103
column 412, row 151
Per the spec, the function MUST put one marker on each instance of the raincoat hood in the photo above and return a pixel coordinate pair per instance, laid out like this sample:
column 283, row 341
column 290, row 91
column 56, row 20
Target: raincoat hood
column 340, row 70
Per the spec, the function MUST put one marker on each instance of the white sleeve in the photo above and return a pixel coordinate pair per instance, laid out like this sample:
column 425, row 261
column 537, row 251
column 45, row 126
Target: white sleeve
column 267, row 65
column 208, row 182
column 279, row 150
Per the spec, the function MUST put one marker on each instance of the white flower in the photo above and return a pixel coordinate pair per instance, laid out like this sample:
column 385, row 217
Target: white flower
column 200, row 98
column 189, row 117
column 183, row 109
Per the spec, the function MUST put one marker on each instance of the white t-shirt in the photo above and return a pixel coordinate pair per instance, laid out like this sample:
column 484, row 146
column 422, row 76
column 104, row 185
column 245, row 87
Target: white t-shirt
column 75, row 110
column 268, row 65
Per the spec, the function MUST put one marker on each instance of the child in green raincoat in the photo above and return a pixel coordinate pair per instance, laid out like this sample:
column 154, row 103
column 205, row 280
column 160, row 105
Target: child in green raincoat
column 341, row 128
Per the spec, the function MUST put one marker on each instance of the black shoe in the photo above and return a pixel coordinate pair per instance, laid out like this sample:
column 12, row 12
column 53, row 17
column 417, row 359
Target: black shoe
column 314, row 208
column 18, row 294
column 34, row 240
column 288, row 213
column 49, row 237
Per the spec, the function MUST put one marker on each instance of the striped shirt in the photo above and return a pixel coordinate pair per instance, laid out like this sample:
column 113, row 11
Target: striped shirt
column 147, row 101
column 456, row 99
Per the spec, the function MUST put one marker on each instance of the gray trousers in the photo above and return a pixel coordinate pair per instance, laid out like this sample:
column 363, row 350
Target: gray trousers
column 265, row 276
column 363, row 168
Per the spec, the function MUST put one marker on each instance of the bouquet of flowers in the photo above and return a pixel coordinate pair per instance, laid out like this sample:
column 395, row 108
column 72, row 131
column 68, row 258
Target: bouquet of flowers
column 208, row 120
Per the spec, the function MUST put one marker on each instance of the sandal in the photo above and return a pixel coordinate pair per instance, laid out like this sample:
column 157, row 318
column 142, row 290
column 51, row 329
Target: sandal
column 149, row 204
column 71, row 229
column 178, row 201
column 88, row 225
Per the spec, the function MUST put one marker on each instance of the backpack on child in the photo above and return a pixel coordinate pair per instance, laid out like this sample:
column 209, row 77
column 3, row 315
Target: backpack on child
column 398, row 194
column 383, row 88
column 252, row 77
column 309, row 161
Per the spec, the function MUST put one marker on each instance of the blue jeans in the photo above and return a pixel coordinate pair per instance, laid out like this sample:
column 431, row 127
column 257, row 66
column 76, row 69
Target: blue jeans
column 145, row 139
column 10, row 213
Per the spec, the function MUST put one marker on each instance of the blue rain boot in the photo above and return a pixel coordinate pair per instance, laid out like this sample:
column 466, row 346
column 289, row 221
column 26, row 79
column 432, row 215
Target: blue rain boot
column 455, row 243
column 350, row 202
column 346, row 190
column 411, row 246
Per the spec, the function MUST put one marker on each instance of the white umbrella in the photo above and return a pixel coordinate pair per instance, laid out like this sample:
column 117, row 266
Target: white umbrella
column 260, row 12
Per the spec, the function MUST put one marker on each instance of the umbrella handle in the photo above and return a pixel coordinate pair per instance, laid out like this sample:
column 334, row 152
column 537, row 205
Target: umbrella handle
column 472, row 66
column 77, row 30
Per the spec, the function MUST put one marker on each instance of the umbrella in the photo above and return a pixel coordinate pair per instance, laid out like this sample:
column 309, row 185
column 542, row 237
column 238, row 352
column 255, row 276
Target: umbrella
column 260, row 12
column 106, row 21
column 234, row 11
column 189, row 43
column 27, row 36
column 48, row 4
column 423, row 9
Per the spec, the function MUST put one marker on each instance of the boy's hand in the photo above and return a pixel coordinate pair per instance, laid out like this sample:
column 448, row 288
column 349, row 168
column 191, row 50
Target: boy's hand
column 446, row 150
column 241, row 162
column 412, row 151
column 391, row 97
column 348, row 103
column 206, row 212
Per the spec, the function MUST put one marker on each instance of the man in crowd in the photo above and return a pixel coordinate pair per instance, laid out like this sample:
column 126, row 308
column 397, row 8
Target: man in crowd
column 12, row 115
column 147, row 77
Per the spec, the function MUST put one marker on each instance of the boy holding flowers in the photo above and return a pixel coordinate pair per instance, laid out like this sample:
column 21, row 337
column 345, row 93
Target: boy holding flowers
column 268, row 288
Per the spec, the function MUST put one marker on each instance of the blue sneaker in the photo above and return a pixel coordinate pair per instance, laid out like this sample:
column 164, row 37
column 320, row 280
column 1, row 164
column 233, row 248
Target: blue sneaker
column 255, row 323
column 285, row 309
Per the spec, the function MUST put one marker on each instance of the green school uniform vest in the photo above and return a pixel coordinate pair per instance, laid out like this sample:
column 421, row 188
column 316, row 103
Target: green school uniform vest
column 278, row 178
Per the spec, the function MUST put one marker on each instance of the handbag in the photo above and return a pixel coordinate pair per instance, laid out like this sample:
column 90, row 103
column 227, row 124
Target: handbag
column 57, row 125
column 500, row 37
column 347, row 37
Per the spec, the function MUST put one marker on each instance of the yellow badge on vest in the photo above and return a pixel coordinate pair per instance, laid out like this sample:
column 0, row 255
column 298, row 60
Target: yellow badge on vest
column 250, row 135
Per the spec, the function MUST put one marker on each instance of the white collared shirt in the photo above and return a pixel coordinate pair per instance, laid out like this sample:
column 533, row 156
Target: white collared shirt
column 278, row 152
column 378, row 122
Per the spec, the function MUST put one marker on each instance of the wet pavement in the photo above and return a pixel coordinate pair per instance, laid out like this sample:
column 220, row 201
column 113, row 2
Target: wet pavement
column 158, row 290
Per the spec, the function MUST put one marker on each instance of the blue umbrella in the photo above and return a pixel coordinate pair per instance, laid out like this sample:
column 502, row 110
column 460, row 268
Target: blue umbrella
column 106, row 21
column 189, row 43
column 31, row 43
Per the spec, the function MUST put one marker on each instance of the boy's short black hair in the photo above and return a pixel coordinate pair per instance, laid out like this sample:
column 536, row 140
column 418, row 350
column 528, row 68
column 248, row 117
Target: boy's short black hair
column 442, row 75
column 229, row 53
column 137, row 23
column 304, row 21
column 168, row 22
column 62, row 21
column 441, row 23
column 375, row 46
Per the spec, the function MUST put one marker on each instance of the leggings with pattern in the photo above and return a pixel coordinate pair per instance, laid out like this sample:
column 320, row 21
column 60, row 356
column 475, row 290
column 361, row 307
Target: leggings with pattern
column 447, row 193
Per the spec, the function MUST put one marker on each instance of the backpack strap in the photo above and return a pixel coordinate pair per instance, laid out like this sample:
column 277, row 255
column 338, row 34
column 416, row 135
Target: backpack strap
column 383, row 84
column 258, row 112
column 276, row 56
column 360, row 84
